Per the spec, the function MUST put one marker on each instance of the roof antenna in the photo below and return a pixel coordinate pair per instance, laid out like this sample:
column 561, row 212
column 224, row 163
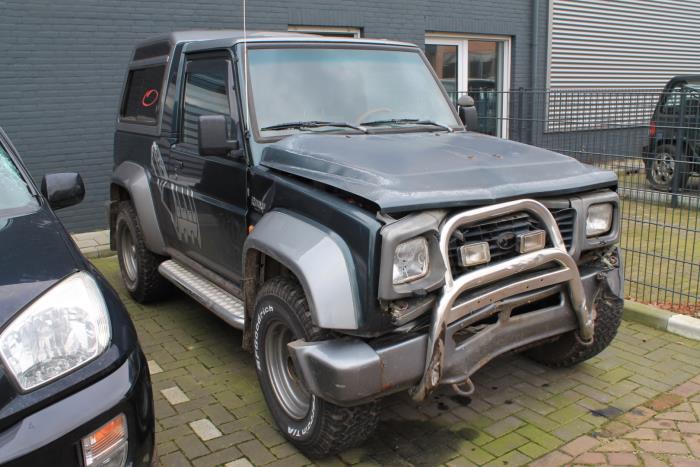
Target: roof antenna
column 245, row 67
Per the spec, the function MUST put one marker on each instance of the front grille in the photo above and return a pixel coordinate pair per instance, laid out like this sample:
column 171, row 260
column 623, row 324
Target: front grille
column 505, row 229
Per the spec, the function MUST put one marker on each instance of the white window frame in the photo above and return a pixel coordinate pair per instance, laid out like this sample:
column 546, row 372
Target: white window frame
column 327, row 30
column 462, row 43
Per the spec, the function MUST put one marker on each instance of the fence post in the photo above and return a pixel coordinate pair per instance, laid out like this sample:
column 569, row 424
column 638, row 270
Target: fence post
column 521, row 93
column 679, row 163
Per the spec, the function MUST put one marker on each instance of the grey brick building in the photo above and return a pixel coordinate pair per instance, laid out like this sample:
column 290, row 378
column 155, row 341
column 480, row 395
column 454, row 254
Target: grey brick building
column 63, row 61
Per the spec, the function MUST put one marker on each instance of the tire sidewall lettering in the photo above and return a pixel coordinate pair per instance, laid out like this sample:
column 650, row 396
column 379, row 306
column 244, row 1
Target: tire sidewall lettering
column 301, row 429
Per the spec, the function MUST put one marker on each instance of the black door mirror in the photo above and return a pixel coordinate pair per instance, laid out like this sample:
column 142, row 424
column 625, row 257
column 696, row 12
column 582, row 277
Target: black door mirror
column 213, row 136
column 468, row 113
column 62, row 189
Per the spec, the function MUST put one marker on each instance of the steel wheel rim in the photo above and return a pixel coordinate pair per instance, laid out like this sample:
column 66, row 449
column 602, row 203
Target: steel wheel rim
column 289, row 390
column 127, row 252
column 663, row 168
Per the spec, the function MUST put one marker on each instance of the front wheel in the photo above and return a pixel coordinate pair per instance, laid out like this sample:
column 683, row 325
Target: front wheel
column 568, row 349
column 316, row 427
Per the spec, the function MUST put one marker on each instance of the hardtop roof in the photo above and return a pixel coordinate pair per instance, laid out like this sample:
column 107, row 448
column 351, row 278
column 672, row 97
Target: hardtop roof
column 156, row 45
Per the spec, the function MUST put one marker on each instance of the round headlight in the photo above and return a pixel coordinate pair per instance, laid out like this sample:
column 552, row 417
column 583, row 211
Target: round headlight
column 63, row 329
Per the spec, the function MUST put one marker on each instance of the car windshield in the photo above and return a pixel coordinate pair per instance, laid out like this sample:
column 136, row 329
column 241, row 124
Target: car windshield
column 14, row 191
column 336, row 89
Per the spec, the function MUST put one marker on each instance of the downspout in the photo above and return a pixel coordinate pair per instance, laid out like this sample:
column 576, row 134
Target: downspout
column 534, row 66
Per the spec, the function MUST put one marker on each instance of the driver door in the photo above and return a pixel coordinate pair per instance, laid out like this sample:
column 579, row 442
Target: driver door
column 209, row 192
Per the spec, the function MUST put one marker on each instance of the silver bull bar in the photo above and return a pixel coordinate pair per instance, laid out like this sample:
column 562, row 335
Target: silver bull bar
column 445, row 310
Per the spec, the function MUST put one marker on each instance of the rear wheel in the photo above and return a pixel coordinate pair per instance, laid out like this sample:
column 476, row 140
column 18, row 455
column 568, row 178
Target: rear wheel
column 316, row 427
column 139, row 267
column 662, row 168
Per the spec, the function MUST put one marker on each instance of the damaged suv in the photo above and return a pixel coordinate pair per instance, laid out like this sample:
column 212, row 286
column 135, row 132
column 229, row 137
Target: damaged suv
column 323, row 196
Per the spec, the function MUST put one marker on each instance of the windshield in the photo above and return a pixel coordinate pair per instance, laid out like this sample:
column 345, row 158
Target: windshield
column 14, row 191
column 344, row 85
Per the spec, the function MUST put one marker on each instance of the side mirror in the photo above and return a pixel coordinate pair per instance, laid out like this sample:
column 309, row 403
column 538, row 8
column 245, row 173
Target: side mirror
column 468, row 113
column 62, row 189
column 465, row 100
column 213, row 136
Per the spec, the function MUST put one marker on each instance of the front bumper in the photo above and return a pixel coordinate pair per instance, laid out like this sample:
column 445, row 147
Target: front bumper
column 478, row 316
column 52, row 435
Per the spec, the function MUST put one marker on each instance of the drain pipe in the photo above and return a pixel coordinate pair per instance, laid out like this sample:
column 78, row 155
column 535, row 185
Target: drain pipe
column 534, row 65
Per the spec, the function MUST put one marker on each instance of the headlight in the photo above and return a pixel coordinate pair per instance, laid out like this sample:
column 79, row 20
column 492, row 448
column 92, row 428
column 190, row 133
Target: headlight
column 410, row 260
column 65, row 328
column 599, row 219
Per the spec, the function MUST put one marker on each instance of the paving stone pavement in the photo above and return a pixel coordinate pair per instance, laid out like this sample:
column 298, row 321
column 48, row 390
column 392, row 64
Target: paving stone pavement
column 637, row 403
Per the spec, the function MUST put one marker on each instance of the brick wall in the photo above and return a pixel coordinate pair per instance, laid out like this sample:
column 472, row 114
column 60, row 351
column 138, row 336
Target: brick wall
column 63, row 62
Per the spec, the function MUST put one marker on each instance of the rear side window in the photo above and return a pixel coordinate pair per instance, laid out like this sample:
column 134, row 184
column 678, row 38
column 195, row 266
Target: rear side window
column 142, row 97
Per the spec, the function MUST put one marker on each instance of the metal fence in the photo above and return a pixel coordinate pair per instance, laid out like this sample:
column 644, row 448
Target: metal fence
column 651, row 139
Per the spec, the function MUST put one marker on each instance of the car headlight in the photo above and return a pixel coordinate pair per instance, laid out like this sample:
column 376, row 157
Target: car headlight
column 410, row 260
column 63, row 329
column 599, row 219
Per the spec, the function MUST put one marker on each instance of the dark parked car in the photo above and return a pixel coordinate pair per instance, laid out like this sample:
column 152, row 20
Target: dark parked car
column 74, row 384
column 323, row 196
column 673, row 152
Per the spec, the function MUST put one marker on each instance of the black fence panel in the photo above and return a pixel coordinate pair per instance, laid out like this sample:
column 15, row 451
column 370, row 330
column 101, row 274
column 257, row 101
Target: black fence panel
column 651, row 139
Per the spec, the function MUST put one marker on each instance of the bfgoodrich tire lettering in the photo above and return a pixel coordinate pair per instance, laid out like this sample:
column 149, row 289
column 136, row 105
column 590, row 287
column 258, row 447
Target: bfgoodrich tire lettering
column 322, row 428
column 138, row 266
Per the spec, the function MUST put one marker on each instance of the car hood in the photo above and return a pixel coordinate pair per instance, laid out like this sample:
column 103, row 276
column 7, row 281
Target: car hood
column 35, row 255
column 407, row 171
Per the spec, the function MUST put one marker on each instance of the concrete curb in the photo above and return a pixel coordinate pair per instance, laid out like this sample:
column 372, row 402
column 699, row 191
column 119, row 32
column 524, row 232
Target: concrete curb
column 93, row 244
column 675, row 323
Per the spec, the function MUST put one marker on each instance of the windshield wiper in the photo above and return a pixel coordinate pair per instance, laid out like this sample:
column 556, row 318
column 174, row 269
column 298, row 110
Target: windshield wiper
column 312, row 124
column 407, row 121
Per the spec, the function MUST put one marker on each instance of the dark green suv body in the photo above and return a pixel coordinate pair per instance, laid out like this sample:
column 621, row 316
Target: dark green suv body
column 323, row 196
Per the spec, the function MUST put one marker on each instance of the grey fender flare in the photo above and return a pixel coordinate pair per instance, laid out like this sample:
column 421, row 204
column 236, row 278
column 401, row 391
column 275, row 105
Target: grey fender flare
column 319, row 259
column 134, row 179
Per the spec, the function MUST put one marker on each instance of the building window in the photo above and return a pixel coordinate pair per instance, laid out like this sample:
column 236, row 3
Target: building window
column 479, row 66
column 329, row 31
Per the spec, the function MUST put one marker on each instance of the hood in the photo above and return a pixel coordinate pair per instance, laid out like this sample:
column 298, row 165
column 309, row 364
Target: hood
column 407, row 171
column 34, row 255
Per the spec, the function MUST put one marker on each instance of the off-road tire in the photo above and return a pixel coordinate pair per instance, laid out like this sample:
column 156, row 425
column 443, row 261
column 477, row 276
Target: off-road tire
column 326, row 429
column 568, row 350
column 662, row 151
column 147, row 285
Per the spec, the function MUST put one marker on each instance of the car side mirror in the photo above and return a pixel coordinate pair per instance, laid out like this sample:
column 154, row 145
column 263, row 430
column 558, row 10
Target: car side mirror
column 213, row 136
column 62, row 189
column 467, row 112
column 465, row 100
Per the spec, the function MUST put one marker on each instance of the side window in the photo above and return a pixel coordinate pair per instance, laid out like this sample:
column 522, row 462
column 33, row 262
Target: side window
column 142, row 96
column 671, row 101
column 206, row 86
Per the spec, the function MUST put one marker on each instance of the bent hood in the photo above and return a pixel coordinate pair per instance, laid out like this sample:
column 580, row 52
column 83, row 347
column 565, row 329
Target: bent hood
column 407, row 171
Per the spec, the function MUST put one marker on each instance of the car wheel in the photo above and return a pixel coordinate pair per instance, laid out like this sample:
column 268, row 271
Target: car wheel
column 568, row 349
column 662, row 169
column 139, row 266
column 316, row 427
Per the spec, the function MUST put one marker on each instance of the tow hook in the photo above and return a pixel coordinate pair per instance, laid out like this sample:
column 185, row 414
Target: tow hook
column 467, row 391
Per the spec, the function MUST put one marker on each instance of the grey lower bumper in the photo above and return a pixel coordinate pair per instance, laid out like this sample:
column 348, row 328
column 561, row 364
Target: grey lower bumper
column 350, row 371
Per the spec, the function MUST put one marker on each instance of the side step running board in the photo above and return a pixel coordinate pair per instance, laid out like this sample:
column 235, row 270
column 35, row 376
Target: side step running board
column 213, row 297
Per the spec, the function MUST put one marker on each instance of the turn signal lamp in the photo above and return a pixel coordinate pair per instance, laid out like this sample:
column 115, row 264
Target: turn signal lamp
column 107, row 446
